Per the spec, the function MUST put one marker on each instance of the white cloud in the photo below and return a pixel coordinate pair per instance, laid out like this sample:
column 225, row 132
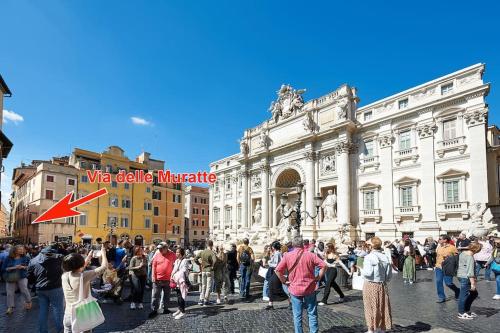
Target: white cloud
column 12, row 116
column 140, row 121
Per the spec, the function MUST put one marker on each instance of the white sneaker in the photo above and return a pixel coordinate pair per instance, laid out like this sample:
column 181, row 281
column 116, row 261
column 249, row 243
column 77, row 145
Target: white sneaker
column 465, row 316
column 176, row 313
column 218, row 301
column 496, row 297
column 132, row 306
column 321, row 303
column 265, row 299
column 473, row 314
column 180, row 315
column 140, row 306
column 341, row 300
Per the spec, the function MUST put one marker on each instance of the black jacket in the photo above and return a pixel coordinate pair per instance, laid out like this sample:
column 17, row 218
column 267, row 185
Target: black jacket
column 232, row 262
column 45, row 271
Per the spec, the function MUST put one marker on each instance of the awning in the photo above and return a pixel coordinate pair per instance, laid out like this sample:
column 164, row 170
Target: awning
column 86, row 236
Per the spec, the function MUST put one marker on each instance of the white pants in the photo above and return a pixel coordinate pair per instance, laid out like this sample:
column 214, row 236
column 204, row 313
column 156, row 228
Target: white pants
column 11, row 291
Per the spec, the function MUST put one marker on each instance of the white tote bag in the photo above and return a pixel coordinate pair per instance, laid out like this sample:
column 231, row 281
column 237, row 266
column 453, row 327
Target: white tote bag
column 357, row 281
column 262, row 272
column 86, row 314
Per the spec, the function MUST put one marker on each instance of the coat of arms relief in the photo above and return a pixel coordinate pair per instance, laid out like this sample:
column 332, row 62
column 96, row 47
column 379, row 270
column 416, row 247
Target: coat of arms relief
column 288, row 103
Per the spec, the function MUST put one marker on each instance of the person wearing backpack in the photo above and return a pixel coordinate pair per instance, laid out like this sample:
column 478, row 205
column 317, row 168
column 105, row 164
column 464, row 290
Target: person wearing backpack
column 494, row 264
column 466, row 274
column 206, row 259
column 444, row 250
column 246, row 258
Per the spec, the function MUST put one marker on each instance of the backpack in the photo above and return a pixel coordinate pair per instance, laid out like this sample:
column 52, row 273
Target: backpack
column 245, row 257
column 450, row 265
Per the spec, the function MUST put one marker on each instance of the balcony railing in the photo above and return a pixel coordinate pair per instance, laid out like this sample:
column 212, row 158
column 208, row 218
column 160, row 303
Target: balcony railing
column 406, row 154
column 457, row 143
column 369, row 161
column 366, row 214
column 460, row 207
column 412, row 211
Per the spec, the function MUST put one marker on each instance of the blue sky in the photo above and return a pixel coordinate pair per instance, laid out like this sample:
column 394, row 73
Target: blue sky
column 200, row 72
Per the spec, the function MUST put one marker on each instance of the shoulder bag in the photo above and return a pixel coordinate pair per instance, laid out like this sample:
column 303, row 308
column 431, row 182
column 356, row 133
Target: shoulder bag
column 86, row 314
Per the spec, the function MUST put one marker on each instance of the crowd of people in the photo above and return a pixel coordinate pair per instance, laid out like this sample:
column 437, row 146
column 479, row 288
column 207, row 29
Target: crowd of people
column 61, row 274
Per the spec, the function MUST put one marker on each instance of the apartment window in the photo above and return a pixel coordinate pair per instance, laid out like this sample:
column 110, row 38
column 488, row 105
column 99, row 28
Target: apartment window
column 195, row 233
column 114, row 184
column 176, row 212
column 406, row 196
column 367, row 115
column 403, row 104
column 50, row 178
column 125, row 203
column 405, row 140
column 369, row 200
column 112, row 221
column 451, row 191
column 155, row 228
column 446, row 88
column 202, row 223
column 173, row 229
column 228, row 184
column 216, row 216
column 197, row 223
column 147, row 223
column 156, row 211
column 178, row 187
column 49, row 194
column 70, row 220
column 85, row 179
column 449, row 129
column 238, row 214
column 126, row 186
column 124, row 222
column 147, row 205
column 369, row 148
column 148, row 189
column 227, row 215
column 195, row 200
column 202, row 211
column 194, row 223
column 113, row 201
column 82, row 220
column 203, row 232
column 71, row 182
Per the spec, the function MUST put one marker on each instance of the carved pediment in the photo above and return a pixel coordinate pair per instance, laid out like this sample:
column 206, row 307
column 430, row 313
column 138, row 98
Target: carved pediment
column 369, row 186
column 406, row 181
column 450, row 173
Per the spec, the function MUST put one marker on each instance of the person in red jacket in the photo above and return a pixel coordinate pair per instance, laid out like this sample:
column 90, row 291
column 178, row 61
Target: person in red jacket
column 161, row 270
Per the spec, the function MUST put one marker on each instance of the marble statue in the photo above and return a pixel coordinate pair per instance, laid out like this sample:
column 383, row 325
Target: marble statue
column 327, row 165
column 481, row 218
column 263, row 139
column 257, row 214
column 308, row 123
column 284, row 224
column 329, row 206
column 244, row 147
column 289, row 102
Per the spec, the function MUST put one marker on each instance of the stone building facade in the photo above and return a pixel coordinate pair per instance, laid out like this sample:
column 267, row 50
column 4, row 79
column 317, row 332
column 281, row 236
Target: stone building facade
column 196, row 213
column 412, row 163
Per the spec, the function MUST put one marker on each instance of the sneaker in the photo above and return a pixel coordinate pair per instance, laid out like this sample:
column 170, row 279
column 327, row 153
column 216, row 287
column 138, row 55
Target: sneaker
column 464, row 316
column 411, row 282
column 153, row 314
column 430, row 269
column 473, row 314
column 440, row 301
column 180, row 315
column 176, row 313
column 226, row 300
column 321, row 303
column 9, row 311
column 140, row 306
column 132, row 306
column 265, row 299
column 496, row 297
column 341, row 300
column 218, row 301
column 200, row 302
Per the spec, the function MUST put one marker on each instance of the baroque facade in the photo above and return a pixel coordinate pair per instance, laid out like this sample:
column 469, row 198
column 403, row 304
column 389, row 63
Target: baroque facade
column 413, row 163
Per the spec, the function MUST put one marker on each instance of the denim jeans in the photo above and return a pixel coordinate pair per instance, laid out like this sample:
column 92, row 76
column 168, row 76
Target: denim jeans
column 497, row 278
column 265, row 289
column 55, row 299
column 487, row 270
column 467, row 296
column 139, row 284
column 448, row 280
column 309, row 302
column 245, row 276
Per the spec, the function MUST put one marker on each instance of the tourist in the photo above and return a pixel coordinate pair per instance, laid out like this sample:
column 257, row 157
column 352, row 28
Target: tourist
column 152, row 251
column 444, row 250
column 246, row 259
column 74, row 267
column 181, row 280
column 45, row 272
column 206, row 259
column 302, row 286
column 462, row 242
column 312, row 247
column 138, row 274
column 409, row 271
column 161, row 271
column 430, row 247
column 276, row 257
column 482, row 258
column 112, row 283
column 221, row 275
column 265, row 263
column 377, row 272
column 494, row 265
column 332, row 261
column 14, row 272
column 232, row 266
column 468, row 281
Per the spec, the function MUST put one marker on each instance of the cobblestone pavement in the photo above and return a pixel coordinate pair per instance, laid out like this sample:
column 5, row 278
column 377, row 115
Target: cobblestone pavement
column 414, row 310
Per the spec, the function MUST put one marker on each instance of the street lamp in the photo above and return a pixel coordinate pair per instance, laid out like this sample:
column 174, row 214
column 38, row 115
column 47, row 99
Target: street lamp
column 298, row 214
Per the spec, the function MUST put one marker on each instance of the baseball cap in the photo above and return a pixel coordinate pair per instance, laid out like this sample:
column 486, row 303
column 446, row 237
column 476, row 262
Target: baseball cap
column 161, row 245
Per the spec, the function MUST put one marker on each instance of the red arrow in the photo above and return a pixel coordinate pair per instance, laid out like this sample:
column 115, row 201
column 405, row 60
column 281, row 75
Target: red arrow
column 63, row 208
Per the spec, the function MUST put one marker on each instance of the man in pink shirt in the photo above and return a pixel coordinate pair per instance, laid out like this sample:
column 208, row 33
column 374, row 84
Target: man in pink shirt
column 161, row 270
column 302, row 283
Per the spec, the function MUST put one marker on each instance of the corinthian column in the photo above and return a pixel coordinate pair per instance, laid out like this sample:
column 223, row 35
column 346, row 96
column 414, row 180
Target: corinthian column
column 264, row 168
column 310, row 180
column 244, row 204
column 343, row 188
